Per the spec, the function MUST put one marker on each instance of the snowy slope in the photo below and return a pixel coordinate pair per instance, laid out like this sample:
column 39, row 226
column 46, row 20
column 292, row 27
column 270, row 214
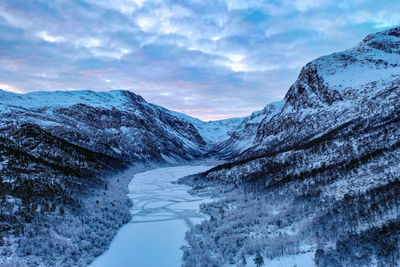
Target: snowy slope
column 335, row 89
column 54, row 99
column 244, row 134
column 322, row 176
column 361, row 72
column 213, row 132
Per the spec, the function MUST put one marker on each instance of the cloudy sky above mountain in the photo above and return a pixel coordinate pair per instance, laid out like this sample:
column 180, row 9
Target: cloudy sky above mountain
column 209, row 59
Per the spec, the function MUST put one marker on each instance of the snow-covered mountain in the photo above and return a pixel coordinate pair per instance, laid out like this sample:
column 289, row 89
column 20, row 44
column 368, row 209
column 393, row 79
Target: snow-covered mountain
column 243, row 135
column 213, row 132
column 117, row 123
column 56, row 149
column 335, row 89
column 322, row 177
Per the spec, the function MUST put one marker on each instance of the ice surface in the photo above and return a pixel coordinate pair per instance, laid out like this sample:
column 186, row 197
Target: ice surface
column 162, row 213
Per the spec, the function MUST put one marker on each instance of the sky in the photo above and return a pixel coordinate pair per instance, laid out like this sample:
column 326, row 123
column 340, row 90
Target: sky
column 211, row 59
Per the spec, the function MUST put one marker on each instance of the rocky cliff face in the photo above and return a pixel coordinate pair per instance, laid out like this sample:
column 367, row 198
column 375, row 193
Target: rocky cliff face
column 323, row 171
column 335, row 89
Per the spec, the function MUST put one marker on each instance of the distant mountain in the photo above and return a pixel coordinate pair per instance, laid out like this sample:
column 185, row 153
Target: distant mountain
column 322, row 176
column 243, row 135
column 212, row 132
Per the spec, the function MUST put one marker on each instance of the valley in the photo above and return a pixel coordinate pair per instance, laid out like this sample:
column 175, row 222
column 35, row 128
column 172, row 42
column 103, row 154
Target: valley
column 311, row 179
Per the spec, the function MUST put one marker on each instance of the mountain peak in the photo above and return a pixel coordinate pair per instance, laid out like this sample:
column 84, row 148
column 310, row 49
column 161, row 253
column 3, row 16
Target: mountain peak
column 387, row 41
column 350, row 74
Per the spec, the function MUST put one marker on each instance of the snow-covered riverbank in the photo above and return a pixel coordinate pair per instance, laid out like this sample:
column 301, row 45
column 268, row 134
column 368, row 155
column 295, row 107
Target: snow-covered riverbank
column 162, row 213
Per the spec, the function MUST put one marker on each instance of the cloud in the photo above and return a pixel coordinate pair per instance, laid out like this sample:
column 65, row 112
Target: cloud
column 211, row 59
column 49, row 38
column 11, row 88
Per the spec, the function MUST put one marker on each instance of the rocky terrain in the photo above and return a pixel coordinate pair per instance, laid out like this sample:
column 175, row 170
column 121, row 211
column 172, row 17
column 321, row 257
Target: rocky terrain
column 322, row 177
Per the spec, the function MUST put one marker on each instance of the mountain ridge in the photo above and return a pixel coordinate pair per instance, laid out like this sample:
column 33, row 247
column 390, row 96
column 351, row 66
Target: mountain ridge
column 213, row 131
column 317, row 177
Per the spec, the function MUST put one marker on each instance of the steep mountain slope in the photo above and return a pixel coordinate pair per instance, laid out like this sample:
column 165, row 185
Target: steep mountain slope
column 118, row 123
column 323, row 175
column 57, row 149
column 334, row 89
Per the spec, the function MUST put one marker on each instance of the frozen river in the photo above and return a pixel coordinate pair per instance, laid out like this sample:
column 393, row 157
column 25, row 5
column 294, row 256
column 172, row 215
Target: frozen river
column 162, row 213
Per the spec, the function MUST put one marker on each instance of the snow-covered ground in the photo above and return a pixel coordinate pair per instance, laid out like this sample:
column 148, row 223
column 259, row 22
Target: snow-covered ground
column 297, row 260
column 162, row 213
